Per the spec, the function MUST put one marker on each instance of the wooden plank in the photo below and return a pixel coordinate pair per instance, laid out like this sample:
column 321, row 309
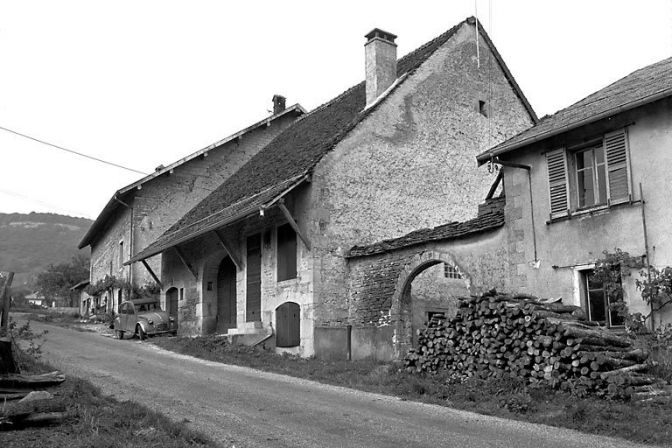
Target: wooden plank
column 185, row 262
column 290, row 220
column 151, row 272
column 229, row 251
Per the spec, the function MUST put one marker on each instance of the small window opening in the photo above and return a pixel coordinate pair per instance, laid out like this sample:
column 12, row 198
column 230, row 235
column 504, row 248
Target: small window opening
column 599, row 303
column 451, row 271
column 181, row 293
column 483, row 108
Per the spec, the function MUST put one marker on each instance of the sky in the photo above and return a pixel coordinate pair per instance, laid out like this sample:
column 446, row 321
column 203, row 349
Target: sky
column 145, row 83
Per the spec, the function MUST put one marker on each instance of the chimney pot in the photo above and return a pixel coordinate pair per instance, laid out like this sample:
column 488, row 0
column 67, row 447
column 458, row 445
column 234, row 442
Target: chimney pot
column 380, row 53
column 278, row 104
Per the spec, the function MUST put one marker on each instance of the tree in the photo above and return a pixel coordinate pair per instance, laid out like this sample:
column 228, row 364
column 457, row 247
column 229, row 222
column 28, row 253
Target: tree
column 57, row 280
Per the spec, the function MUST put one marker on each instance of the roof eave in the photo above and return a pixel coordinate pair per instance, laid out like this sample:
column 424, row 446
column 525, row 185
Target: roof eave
column 113, row 204
column 504, row 148
column 250, row 211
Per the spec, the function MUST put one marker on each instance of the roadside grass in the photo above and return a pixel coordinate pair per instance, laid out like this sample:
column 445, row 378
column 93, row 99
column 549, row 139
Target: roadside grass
column 643, row 422
column 96, row 420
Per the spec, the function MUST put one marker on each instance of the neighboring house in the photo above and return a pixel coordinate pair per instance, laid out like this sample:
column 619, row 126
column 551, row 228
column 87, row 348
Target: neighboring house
column 85, row 302
column 139, row 213
column 590, row 178
column 34, row 299
column 265, row 253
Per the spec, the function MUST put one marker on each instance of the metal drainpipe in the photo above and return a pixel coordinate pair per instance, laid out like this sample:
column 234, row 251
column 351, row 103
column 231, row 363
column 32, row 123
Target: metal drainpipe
column 529, row 183
column 646, row 248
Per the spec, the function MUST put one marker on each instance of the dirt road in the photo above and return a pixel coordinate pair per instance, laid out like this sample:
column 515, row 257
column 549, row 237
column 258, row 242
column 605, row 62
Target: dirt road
column 244, row 408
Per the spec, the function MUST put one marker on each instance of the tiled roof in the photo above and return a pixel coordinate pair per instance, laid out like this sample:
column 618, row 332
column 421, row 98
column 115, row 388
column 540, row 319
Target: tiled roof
column 293, row 154
column 111, row 206
column 637, row 89
column 492, row 217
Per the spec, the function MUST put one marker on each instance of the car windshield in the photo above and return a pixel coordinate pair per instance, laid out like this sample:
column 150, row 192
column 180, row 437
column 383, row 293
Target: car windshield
column 144, row 307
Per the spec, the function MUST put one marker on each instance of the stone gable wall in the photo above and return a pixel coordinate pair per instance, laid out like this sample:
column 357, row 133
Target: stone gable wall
column 410, row 164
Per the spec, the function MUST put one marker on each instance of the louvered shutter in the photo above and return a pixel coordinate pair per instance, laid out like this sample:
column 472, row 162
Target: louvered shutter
column 557, row 180
column 618, row 177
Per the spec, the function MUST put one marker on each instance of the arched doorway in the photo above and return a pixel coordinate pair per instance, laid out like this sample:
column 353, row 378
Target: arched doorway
column 288, row 325
column 171, row 302
column 226, row 295
column 429, row 284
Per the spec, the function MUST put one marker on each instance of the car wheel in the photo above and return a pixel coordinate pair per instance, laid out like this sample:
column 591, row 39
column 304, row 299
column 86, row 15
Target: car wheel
column 174, row 333
column 120, row 334
column 141, row 333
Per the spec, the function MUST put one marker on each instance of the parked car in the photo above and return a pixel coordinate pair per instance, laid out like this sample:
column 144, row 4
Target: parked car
column 142, row 318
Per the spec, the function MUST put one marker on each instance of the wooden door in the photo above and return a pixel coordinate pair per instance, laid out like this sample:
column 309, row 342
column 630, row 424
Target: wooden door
column 253, row 296
column 288, row 323
column 226, row 296
column 171, row 303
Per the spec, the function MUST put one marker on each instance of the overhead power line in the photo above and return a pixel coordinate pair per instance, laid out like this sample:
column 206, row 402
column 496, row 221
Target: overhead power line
column 46, row 204
column 72, row 152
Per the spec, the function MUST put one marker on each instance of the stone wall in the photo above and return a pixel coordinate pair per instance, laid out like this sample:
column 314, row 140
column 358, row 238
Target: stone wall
column 410, row 164
column 379, row 285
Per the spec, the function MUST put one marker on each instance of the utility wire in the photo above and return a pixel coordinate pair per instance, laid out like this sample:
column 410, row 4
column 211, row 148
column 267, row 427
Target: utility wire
column 71, row 151
column 46, row 204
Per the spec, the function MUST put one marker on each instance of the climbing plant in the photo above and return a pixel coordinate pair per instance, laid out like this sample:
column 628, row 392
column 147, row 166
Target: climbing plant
column 111, row 282
column 654, row 284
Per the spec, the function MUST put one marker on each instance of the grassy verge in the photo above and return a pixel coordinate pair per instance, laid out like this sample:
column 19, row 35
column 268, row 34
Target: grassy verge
column 639, row 422
column 96, row 420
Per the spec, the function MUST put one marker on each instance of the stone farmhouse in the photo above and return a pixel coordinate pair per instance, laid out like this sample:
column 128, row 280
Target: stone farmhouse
column 140, row 212
column 265, row 257
column 587, row 179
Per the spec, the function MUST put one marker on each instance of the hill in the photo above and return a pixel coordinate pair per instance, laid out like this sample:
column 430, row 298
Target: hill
column 29, row 243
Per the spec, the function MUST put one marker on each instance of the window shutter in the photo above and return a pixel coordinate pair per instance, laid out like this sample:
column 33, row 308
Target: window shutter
column 557, row 180
column 618, row 176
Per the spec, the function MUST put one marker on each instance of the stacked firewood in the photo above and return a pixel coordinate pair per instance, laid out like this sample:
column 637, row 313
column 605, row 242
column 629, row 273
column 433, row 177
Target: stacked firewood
column 496, row 336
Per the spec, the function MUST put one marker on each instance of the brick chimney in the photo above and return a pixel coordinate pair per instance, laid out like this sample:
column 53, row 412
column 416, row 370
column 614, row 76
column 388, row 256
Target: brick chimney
column 278, row 104
column 381, row 63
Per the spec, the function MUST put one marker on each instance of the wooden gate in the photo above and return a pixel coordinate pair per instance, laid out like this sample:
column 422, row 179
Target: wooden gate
column 226, row 295
column 288, row 323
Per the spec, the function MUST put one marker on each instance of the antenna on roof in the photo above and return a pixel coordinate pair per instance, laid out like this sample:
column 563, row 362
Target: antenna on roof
column 478, row 53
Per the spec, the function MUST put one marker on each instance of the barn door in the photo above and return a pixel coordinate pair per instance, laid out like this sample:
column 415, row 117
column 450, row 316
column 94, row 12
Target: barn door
column 171, row 303
column 288, row 323
column 226, row 295
column 253, row 297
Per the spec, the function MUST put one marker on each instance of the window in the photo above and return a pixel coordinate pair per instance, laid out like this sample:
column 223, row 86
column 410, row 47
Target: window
column 450, row 271
column 286, row 253
column 589, row 175
column 597, row 302
column 483, row 108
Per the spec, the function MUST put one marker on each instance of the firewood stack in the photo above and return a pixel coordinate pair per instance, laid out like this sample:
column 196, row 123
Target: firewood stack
column 496, row 336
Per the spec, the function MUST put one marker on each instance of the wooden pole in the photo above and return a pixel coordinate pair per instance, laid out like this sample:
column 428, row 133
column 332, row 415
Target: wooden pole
column 5, row 299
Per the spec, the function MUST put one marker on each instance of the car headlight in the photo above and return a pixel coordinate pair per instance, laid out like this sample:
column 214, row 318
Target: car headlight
column 171, row 318
column 150, row 322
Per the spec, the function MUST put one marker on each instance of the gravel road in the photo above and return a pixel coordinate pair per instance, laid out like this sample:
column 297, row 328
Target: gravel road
column 242, row 407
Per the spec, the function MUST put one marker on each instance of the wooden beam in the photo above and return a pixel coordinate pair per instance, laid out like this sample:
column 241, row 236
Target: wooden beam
column 495, row 184
column 156, row 279
column 227, row 248
column 290, row 220
column 5, row 302
column 186, row 263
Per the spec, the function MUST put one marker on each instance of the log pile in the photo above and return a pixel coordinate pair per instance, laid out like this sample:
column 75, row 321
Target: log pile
column 497, row 336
